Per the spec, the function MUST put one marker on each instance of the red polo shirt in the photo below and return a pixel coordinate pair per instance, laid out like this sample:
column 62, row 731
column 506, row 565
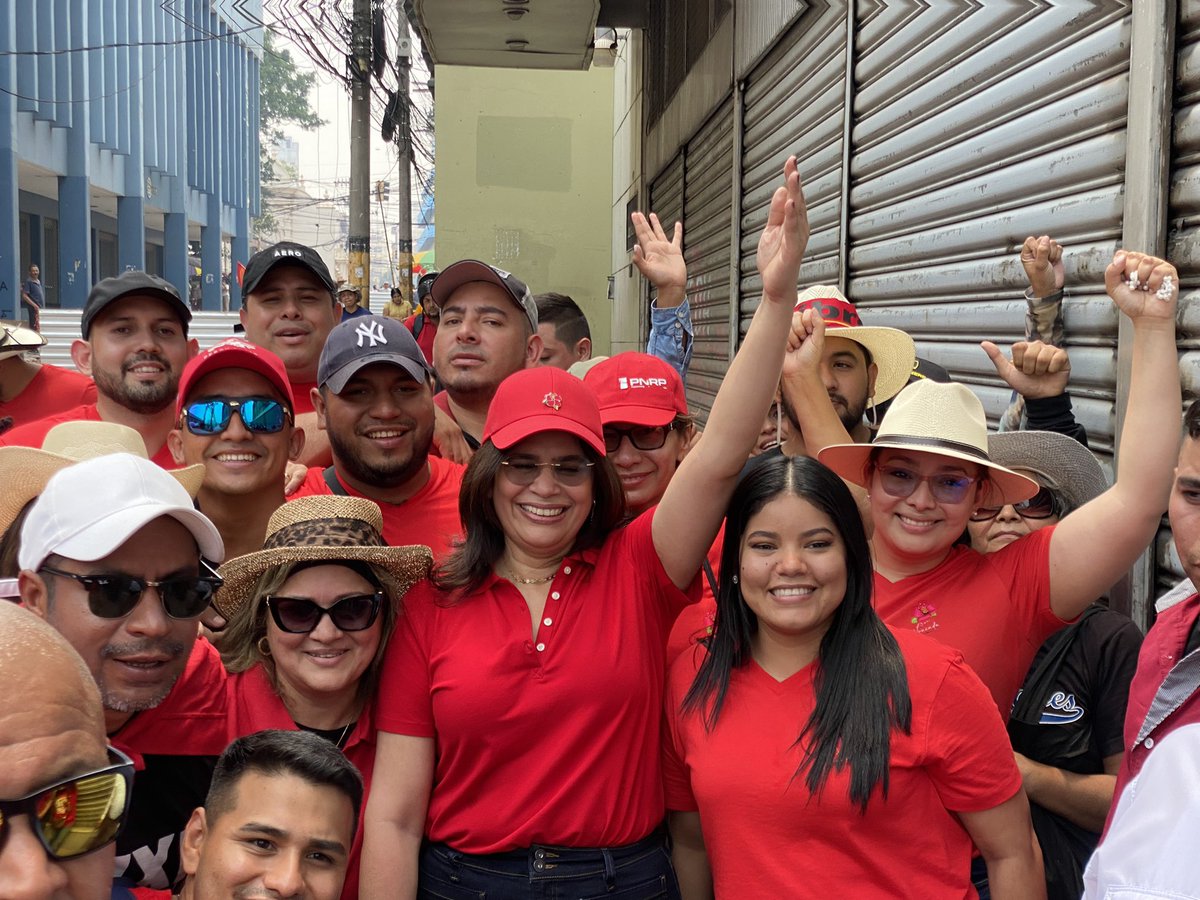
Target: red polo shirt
column 302, row 393
column 553, row 739
column 1161, row 656
column 34, row 434
column 254, row 706
column 53, row 390
column 430, row 516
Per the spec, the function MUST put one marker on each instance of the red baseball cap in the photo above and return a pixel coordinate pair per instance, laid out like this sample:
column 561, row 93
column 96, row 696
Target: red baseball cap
column 532, row 401
column 235, row 353
column 637, row 388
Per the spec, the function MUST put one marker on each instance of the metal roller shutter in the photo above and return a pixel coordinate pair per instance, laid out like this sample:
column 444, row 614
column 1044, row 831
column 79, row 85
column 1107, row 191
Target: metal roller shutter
column 1183, row 248
column 1003, row 121
column 708, row 217
column 794, row 102
column 666, row 199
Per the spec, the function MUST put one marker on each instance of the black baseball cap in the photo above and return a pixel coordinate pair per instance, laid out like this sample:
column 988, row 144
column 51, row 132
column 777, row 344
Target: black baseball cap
column 285, row 252
column 134, row 281
column 465, row 271
column 364, row 340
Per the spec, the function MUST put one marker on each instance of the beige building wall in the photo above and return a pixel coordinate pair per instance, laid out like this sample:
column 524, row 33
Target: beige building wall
column 626, row 188
column 524, row 179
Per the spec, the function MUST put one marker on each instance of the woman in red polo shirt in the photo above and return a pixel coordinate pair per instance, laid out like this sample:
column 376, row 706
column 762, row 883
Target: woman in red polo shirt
column 812, row 751
column 520, row 712
column 309, row 618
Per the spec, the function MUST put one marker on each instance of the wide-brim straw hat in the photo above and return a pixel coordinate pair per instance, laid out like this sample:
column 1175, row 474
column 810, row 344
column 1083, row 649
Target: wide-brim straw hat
column 1061, row 463
column 24, row 471
column 317, row 529
column 891, row 349
column 16, row 339
column 943, row 419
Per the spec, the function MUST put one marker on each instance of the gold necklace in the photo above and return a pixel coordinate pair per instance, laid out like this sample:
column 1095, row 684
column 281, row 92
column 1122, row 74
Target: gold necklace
column 340, row 742
column 513, row 577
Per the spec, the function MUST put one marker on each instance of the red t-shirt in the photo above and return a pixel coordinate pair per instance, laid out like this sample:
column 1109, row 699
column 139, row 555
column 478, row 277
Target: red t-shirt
column 430, row 516
column 425, row 338
column 254, row 706
column 53, row 390
column 552, row 740
column 765, row 834
column 302, row 393
column 34, row 433
column 993, row 608
column 696, row 621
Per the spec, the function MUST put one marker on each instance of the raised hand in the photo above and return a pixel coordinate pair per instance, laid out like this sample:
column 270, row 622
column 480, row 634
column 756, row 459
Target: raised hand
column 1144, row 287
column 1042, row 259
column 781, row 247
column 1036, row 370
column 806, row 344
column 657, row 257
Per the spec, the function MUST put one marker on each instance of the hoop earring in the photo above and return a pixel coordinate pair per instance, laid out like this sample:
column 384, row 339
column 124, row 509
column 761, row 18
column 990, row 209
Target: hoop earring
column 264, row 648
column 872, row 414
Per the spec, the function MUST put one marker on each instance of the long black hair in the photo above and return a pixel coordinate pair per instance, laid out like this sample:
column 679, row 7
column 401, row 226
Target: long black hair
column 860, row 681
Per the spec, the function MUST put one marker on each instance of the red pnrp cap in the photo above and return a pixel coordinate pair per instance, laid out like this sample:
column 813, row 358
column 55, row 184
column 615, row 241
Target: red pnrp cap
column 637, row 388
column 531, row 401
column 235, row 353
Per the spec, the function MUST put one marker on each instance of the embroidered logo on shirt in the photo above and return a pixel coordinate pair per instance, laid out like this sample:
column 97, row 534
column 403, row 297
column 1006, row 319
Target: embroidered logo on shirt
column 552, row 400
column 1061, row 709
column 923, row 618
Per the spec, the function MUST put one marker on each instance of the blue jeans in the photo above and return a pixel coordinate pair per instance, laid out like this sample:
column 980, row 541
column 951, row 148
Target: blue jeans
column 640, row 871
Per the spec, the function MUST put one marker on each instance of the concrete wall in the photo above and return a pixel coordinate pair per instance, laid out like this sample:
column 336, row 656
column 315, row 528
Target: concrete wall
column 627, row 308
column 524, row 178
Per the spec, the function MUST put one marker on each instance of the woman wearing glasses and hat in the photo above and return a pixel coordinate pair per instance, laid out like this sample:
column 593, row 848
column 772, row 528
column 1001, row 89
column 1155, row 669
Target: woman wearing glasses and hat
column 929, row 470
column 1067, row 720
column 310, row 616
column 521, row 706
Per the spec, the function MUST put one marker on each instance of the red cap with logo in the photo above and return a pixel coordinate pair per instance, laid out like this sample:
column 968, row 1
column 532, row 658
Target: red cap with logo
column 637, row 388
column 532, row 401
column 235, row 353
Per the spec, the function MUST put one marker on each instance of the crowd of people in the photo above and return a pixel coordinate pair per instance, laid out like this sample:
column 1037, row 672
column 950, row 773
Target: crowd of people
column 439, row 604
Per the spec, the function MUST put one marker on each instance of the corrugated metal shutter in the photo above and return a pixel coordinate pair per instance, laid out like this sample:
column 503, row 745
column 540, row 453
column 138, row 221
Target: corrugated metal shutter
column 666, row 200
column 708, row 217
column 1183, row 212
column 976, row 125
column 794, row 103
column 61, row 326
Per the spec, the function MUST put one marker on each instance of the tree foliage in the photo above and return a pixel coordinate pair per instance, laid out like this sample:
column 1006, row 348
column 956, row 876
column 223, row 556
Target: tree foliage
column 283, row 99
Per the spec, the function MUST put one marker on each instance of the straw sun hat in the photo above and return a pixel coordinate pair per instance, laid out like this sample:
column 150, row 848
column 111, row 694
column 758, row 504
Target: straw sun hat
column 313, row 529
column 17, row 339
column 1059, row 462
column 24, row 471
column 944, row 419
column 891, row 349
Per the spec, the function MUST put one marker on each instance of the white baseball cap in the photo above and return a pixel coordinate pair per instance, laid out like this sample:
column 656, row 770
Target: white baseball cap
column 90, row 509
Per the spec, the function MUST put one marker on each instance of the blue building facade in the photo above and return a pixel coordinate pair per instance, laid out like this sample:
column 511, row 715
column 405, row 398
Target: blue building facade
column 129, row 130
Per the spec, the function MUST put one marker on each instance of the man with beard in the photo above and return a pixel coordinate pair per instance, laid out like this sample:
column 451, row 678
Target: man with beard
column 488, row 330
column 102, row 533
column 375, row 401
column 134, row 346
column 860, row 366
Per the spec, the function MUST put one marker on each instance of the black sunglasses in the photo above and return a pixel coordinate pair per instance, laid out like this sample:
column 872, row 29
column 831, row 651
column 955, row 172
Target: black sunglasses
column 262, row 415
column 299, row 615
column 1041, row 505
column 78, row 814
column 115, row 596
column 643, row 437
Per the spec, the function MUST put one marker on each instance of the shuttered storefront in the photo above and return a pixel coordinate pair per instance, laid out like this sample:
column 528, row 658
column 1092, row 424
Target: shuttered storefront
column 976, row 125
column 1184, row 217
column 708, row 215
column 794, row 104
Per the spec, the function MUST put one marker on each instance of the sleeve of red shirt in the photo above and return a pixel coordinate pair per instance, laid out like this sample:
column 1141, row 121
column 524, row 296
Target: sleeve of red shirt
column 1025, row 564
column 969, row 756
column 677, row 781
column 405, row 704
column 637, row 546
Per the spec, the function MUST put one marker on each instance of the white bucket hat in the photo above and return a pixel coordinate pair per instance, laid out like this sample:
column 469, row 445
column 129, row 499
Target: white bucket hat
column 943, row 419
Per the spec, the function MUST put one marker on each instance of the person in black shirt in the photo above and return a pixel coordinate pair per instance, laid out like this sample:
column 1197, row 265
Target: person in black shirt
column 1066, row 722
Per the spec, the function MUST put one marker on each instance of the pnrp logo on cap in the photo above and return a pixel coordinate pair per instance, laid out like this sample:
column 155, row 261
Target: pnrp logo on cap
column 627, row 384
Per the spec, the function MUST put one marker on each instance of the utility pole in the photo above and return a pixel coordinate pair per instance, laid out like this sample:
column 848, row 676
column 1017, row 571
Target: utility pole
column 359, row 242
column 404, row 138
